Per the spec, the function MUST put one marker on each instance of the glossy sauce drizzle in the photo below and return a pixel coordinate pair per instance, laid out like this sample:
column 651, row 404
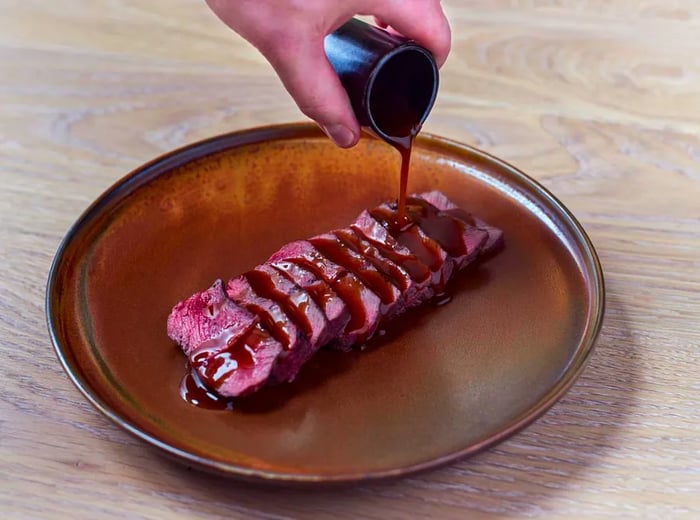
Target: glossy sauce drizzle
column 364, row 248
column 445, row 229
column 346, row 285
column 396, row 110
column 404, row 145
column 413, row 266
column 339, row 253
column 320, row 291
column 272, row 316
column 294, row 305
column 195, row 392
column 425, row 249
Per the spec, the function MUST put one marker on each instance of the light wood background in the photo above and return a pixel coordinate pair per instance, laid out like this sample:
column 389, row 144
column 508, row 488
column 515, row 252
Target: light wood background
column 598, row 99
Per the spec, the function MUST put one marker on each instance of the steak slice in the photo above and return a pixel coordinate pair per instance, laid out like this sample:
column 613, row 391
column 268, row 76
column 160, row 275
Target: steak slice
column 297, row 303
column 330, row 246
column 425, row 248
column 224, row 342
column 363, row 304
column 236, row 366
column 336, row 312
column 408, row 288
column 440, row 201
column 207, row 315
column 460, row 240
column 367, row 227
column 296, row 348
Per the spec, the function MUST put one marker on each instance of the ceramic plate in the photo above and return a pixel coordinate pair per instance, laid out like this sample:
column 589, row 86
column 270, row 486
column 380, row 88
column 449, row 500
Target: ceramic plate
column 443, row 383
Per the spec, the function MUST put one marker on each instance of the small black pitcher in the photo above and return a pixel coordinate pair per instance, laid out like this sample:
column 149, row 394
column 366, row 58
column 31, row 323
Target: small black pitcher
column 392, row 82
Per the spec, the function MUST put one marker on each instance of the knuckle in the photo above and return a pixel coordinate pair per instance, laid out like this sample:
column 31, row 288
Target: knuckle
column 314, row 108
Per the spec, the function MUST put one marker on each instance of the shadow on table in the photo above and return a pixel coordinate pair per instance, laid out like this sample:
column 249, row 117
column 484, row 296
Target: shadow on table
column 517, row 477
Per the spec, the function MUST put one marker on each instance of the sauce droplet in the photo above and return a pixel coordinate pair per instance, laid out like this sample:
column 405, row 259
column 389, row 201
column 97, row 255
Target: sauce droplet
column 194, row 392
column 441, row 299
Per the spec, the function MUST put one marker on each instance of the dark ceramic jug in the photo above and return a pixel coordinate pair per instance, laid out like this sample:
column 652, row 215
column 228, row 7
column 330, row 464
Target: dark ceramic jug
column 391, row 81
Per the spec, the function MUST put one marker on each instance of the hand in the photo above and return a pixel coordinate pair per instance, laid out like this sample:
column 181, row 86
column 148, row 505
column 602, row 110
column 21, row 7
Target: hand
column 290, row 33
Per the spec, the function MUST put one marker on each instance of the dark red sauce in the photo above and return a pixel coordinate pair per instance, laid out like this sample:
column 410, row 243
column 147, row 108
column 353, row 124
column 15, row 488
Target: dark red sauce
column 215, row 361
column 218, row 357
column 404, row 145
column 274, row 321
column 413, row 266
column 445, row 229
column 193, row 391
column 389, row 269
column 409, row 236
column 441, row 299
column 294, row 305
column 397, row 112
column 336, row 251
column 347, row 286
column 320, row 291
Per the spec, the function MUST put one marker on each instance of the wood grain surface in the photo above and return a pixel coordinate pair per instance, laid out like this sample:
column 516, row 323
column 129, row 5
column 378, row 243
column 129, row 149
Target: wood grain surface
column 597, row 99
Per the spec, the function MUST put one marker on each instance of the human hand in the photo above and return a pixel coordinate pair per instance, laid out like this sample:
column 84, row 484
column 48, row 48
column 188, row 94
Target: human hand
column 290, row 33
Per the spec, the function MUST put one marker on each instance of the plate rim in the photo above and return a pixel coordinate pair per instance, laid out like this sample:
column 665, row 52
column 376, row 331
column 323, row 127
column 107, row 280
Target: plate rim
column 276, row 132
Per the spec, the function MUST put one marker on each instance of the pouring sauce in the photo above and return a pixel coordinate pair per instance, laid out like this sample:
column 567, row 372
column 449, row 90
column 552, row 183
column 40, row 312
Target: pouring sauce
column 399, row 100
column 404, row 145
column 405, row 133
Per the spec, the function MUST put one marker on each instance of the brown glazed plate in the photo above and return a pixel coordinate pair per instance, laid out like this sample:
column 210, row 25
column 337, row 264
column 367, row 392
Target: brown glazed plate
column 442, row 383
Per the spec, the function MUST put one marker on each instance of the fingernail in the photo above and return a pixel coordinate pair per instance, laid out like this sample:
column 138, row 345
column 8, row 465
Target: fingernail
column 341, row 135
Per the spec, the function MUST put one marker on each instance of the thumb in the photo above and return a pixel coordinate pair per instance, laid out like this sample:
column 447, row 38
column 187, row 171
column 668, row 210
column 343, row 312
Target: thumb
column 310, row 79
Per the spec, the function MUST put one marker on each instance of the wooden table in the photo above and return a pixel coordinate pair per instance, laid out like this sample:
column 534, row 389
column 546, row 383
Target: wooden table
column 597, row 99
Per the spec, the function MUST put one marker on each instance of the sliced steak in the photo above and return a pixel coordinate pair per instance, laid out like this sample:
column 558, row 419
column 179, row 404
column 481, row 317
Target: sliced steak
column 440, row 201
column 460, row 240
column 407, row 287
column 368, row 228
column 334, row 288
column 425, row 248
column 296, row 348
column 330, row 246
column 363, row 304
column 336, row 312
column 297, row 303
column 207, row 315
